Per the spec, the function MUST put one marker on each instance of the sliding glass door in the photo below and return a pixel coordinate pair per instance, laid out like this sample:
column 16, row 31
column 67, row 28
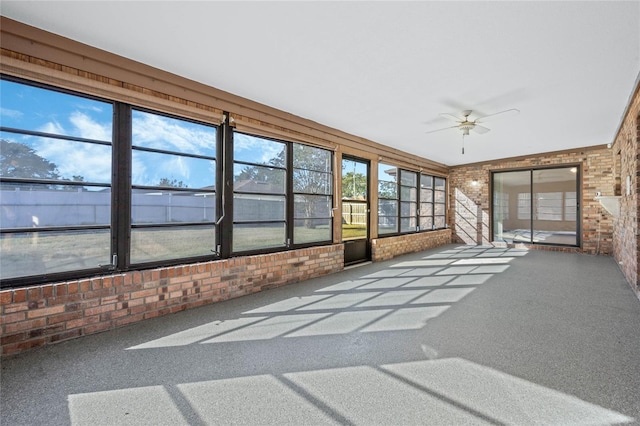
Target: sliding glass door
column 537, row 206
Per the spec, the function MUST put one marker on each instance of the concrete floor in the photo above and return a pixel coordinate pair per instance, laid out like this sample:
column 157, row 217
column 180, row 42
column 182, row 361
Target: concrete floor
column 456, row 335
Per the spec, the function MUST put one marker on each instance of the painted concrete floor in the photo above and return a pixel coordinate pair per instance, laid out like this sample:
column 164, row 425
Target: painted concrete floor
column 456, row 335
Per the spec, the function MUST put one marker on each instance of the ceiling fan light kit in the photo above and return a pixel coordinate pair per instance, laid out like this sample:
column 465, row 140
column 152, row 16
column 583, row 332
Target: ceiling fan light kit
column 465, row 125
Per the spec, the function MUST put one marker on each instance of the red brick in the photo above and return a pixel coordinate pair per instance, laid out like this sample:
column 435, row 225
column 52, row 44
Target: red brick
column 16, row 307
column 99, row 310
column 73, row 287
column 96, row 328
column 24, row 325
column 19, row 296
column 45, row 312
column 68, row 316
column 7, row 319
column 82, row 322
column 6, row 297
column 61, row 290
column 70, row 334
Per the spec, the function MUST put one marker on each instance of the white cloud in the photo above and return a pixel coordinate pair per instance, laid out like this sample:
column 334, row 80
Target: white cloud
column 52, row 127
column 90, row 129
column 153, row 131
column 254, row 149
column 11, row 113
column 92, row 162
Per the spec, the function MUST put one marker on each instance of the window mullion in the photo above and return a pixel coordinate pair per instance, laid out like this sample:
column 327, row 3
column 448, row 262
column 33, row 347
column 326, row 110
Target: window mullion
column 121, row 187
column 224, row 232
column 289, row 198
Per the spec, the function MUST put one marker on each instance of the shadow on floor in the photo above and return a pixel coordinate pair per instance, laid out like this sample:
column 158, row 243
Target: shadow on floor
column 458, row 335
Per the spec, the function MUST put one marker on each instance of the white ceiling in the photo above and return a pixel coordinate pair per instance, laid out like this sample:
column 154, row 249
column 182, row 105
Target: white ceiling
column 384, row 70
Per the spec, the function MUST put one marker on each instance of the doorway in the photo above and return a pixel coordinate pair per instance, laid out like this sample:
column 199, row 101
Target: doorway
column 537, row 206
column 355, row 210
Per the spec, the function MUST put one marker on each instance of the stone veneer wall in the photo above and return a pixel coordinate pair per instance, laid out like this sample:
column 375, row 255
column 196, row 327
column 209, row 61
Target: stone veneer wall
column 389, row 247
column 626, row 236
column 469, row 208
column 50, row 313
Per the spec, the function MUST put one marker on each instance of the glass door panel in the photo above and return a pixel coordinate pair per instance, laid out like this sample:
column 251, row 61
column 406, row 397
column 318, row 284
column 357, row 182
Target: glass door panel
column 512, row 206
column 536, row 206
column 355, row 210
column 555, row 206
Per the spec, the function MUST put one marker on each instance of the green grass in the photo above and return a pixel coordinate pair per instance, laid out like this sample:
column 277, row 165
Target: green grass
column 350, row 232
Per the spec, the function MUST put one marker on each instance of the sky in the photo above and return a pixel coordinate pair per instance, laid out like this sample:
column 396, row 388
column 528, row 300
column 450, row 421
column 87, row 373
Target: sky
column 31, row 108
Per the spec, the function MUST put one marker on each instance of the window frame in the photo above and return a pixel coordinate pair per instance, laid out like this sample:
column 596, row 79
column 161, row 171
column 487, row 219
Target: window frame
column 62, row 275
column 419, row 202
column 289, row 194
column 529, row 201
column 131, row 187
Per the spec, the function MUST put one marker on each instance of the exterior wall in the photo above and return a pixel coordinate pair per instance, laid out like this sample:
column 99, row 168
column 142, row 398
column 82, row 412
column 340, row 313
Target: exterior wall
column 390, row 247
column 41, row 315
column 626, row 236
column 470, row 206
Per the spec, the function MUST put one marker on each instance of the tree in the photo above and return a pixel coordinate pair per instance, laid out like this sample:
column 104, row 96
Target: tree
column 21, row 161
column 354, row 186
column 172, row 183
column 312, row 179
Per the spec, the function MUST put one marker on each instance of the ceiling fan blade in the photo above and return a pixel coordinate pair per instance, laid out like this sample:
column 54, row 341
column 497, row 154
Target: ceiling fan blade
column 506, row 113
column 451, row 117
column 439, row 130
column 480, row 129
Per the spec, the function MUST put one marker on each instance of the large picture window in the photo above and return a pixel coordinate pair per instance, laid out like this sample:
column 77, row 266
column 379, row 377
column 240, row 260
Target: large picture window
column 544, row 206
column 55, row 181
column 173, row 184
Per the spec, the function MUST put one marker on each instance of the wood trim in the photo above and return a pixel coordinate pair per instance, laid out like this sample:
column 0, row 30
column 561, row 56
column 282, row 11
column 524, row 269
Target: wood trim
column 134, row 96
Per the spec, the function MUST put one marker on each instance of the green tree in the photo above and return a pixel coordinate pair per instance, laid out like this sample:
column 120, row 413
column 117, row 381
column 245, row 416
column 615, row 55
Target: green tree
column 354, row 186
column 312, row 178
column 172, row 183
column 21, row 161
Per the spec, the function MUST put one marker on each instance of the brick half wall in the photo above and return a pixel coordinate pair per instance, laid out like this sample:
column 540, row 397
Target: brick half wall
column 389, row 247
column 46, row 314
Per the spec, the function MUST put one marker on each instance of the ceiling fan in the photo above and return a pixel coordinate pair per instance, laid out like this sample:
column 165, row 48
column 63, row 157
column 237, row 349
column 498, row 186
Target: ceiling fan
column 465, row 124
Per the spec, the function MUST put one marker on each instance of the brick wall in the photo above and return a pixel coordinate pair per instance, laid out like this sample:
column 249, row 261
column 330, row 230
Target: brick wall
column 626, row 236
column 390, row 247
column 41, row 315
column 470, row 214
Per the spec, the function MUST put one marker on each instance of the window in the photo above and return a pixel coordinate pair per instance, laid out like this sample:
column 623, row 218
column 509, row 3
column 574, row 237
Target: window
column 549, row 205
column 55, row 181
column 439, row 202
column 173, row 188
column 524, row 205
column 501, row 205
column 282, row 194
column 408, row 201
column 404, row 206
column 312, row 194
column 570, row 205
column 387, row 199
column 259, row 193
column 426, row 203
